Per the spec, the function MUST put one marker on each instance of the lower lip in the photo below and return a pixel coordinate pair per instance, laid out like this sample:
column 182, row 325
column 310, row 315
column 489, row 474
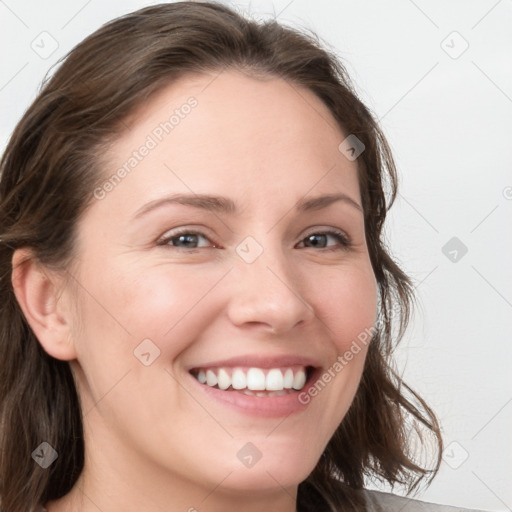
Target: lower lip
column 260, row 406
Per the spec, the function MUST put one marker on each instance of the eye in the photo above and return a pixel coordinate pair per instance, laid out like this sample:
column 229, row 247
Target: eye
column 190, row 239
column 185, row 239
column 319, row 240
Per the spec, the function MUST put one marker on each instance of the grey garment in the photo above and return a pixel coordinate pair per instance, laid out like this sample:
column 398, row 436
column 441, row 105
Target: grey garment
column 378, row 501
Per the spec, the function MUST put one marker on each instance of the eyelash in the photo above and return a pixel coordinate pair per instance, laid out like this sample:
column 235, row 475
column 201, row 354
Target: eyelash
column 343, row 239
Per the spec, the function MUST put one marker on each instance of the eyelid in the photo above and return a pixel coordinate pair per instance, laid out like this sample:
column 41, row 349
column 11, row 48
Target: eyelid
column 345, row 241
column 167, row 236
column 326, row 230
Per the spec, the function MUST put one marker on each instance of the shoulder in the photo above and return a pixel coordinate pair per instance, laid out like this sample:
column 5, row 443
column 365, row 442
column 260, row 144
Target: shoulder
column 378, row 501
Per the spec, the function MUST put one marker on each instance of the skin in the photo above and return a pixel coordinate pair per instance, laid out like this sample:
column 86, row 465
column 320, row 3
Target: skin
column 154, row 442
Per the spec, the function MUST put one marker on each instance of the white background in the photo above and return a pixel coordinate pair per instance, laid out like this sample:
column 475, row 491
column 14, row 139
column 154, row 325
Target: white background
column 447, row 117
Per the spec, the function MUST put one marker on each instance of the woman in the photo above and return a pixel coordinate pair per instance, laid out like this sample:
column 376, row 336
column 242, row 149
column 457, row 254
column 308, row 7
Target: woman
column 196, row 300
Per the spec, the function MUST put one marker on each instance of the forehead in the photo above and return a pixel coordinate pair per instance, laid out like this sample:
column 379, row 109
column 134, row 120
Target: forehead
column 206, row 132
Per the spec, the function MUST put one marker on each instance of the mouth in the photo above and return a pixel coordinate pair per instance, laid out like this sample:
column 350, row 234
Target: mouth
column 254, row 381
column 270, row 391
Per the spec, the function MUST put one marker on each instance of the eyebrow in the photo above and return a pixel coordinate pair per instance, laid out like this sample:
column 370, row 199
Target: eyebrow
column 220, row 204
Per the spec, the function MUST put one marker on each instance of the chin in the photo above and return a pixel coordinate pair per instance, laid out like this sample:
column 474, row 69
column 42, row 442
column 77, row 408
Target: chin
column 265, row 478
column 276, row 468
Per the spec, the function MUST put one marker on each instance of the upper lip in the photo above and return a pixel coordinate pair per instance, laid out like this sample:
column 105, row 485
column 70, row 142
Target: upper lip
column 259, row 361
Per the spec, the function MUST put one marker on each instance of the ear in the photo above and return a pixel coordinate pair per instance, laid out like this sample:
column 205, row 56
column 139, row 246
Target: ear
column 37, row 291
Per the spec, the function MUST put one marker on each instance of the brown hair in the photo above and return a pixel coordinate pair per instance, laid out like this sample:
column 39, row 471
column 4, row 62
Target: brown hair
column 48, row 173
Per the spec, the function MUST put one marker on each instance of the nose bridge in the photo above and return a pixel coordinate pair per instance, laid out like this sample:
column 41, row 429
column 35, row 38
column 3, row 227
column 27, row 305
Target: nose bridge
column 266, row 290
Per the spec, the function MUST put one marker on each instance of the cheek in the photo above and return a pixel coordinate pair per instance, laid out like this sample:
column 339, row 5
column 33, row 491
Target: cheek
column 167, row 305
column 346, row 301
column 126, row 314
column 346, row 304
column 172, row 305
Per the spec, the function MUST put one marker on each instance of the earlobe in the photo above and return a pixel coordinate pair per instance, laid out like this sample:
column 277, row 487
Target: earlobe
column 37, row 292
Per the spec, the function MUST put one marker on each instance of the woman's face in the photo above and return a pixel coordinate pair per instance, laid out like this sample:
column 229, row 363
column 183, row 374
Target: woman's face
column 253, row 276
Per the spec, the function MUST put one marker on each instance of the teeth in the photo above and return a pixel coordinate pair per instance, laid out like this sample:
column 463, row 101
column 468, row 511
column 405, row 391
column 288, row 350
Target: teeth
column 254, row 381
column 288, row 379
column 299, row 380
column 275, row 380
column 239, row 380
column 211, row 378
column 224, row 380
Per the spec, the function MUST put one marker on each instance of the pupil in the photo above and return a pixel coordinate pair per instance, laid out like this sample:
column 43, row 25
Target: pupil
column 311, row 238
column 187, row 239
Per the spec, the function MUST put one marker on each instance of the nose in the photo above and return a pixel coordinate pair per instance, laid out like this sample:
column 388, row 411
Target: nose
column 267, row 294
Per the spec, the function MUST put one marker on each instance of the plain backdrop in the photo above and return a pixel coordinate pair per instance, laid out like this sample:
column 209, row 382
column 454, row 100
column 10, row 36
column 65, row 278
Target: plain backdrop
column 438, row 76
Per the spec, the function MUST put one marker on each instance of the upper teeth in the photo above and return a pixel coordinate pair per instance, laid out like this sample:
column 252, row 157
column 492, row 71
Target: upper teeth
column 255, row 379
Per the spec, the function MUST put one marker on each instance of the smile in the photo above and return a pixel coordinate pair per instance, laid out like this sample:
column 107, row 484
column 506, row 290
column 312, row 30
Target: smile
column 262, row 386
column 254, row 381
